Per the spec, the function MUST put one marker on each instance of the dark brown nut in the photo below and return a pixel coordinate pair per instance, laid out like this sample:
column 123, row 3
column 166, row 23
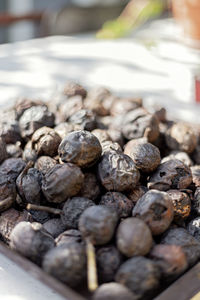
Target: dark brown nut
column 63, row 129
column 29, row 153
column 140, row 275
column 72, row 89
column 137, row 121
column 69, row 236
column 101, row 134
column 196, row 202
column 116, row 136
column 12, row 167
column 108, row 146
column 171, row 259
column 181, row 203
column 67, row 263
column 9, row 127
column 90, row 188
column 98, row 223
column 72, row 211
column 113, row 291
column 54, row 226
column 44, row 164
column 108, row 261
column 117, row 172
column 196, row 175
column 45, row 141
column 31, row 240
column 135, row 194
column 181, row 137
column 70, row 106
column 7, row 192
column 85, row 118
column 134, row 237
column 160, row 114
column 156, row 209
column 14, row 150
column 124, row 105
column 40, row 216
column 193, row 228
column 62, row 182
column 3, row 152
column 180, row 155
column 9, row 219
column 24, row 103
column 29, row 186
column 34, row 118
column 145, row 156
column 132, row 143
column 180, row 237
column 119, row 202
column 172, row 174
column 81, row 148
column 95, row 100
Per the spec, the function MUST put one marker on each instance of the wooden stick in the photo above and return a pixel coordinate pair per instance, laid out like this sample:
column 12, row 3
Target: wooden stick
column 91, row 266
column 50, row 210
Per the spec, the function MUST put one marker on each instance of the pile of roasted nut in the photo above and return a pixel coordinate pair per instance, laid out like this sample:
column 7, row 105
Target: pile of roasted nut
column 91, row 169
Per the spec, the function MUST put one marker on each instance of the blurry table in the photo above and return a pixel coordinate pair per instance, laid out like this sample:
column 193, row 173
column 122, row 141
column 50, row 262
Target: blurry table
column 148, row 64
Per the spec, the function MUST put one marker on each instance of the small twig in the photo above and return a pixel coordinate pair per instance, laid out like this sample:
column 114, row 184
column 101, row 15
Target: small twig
column 146, row 132
column 50, row 210
column 91, row 266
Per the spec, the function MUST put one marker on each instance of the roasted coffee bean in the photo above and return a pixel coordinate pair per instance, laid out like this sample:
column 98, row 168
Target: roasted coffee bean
column 44, row 164
column 180, row 155
column 72, row 89
column 124, row 105
column 135, row 194
column 171, row 260
column 54, row 227
column 140, row 275
column 14, row 150
column 29, row 185
column 98, row 224
column 172, row 174
column 113, row 291
column 85, row 118
column 156, row 209
column 81, row 148
column 108, row 261
column 31, row 240
column 135, row 123
column 193, row 228
column 62, row 182
column 189, row 244
column 119, row 202
column 9, row 219
column 34, row 118
column 45, row 141
column 69, row 236
column 90, row 188
column 145, row 156
column 117, row 172
column 67, row 263
column 181, row 203
column 134, row 237
column 181, row 137
column 73, row 209
column 29, row 153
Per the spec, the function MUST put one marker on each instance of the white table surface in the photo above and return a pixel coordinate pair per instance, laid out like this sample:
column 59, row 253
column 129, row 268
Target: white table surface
column 39, row 68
